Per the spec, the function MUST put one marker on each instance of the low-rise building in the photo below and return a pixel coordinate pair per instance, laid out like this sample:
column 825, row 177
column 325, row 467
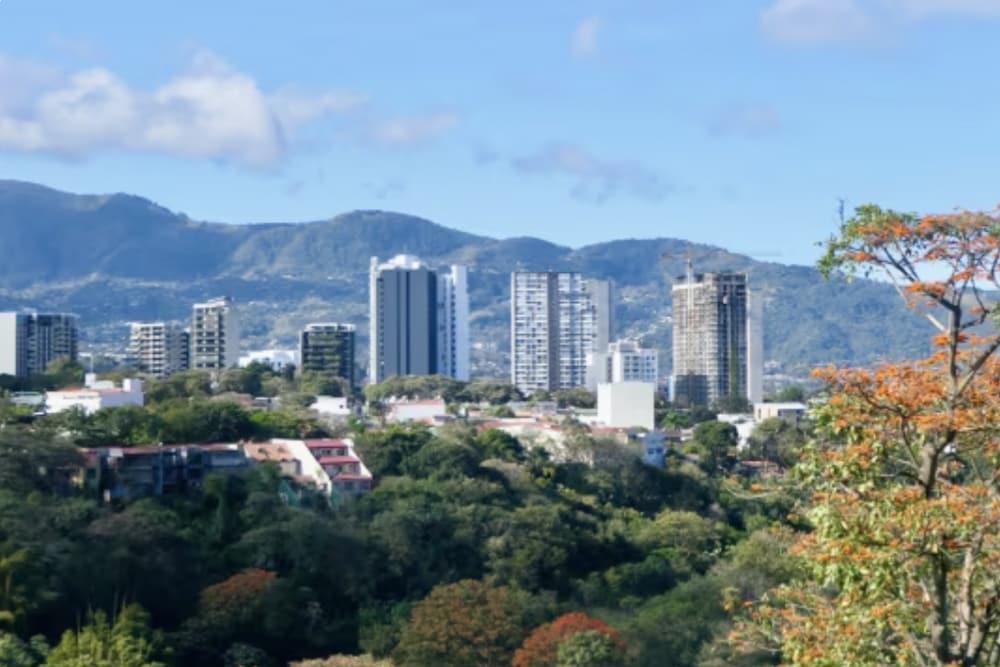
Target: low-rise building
column 95, row 395
column 278, row 453
column 333, row 407
column 427, row 410
column 792, row 412
column 348, row 474
column 626, row 404
column 136, row 472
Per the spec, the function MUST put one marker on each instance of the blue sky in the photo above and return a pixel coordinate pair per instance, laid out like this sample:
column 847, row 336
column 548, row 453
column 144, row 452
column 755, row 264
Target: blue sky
column 733, row 122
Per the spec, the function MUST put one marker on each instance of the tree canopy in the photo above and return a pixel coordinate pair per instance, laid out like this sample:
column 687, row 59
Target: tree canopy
column 904, row 540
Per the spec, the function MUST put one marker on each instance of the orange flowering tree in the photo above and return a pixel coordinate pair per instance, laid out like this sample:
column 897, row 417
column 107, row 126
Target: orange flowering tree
column 541, row 648
column 904, row 551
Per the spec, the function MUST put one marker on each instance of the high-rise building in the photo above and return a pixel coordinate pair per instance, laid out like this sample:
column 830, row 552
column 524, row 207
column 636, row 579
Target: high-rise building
column 328, row 348
column 419, row 320
column 557, row 319
column 453, row 323
column 159, row 348
column 30, row 341
column 622, row 361
column 215, row 335
column 716, row 339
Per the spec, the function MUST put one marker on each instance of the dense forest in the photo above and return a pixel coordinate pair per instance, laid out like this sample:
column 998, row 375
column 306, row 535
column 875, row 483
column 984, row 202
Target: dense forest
column 470, row 549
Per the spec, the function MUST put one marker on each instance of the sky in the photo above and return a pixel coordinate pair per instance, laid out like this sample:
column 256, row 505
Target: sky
column 740, row 123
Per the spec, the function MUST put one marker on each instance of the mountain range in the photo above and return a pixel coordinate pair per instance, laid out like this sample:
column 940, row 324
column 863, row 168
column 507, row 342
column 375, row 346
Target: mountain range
column 119, row 258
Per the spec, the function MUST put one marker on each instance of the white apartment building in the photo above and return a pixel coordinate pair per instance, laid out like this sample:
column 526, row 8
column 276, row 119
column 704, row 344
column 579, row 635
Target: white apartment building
column 30, row 341
column 419, row 319
column 624, row 361
column 159, row 348
column 557, row 319
column 215, row 335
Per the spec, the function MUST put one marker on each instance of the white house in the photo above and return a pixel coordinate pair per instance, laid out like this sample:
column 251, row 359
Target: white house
column 332, row 406
column 788, row 411
column 427, row 410
column 95, row 395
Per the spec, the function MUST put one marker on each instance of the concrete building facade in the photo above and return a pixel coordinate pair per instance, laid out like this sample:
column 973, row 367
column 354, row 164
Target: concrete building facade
column 215, row 335
column 419, row 320
column 557, row 319
column 328, row 348
column 30, row 341
column 96, row 395
column 623, row 361
column 159, row 348
column 626, row 404
column 717, row 347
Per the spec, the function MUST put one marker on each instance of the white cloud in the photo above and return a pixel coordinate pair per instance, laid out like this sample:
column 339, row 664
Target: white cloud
column 923, row 8
column 812, row 22
column 208, row 111
column 595, row 179
column 584, row 42
column 815, row 21
column 407, row 131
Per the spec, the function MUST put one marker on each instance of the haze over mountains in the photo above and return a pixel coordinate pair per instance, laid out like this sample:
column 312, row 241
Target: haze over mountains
column 118, row 258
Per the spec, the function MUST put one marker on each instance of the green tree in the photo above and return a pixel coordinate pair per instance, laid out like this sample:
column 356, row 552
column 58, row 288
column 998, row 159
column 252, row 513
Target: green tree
column 384, row 451
column 714, row 441
column 777, row 440
column 323, row 384
column 498, row 444
column 589, row 649
column 127, row 642
column 243, row 380
column 17, row 653
column 184, row 385
column 790, row 393
column 63, row 372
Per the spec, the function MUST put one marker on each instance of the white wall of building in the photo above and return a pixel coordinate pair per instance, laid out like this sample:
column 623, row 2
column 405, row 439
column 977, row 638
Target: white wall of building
column 8, row 343
column 626, row 404
column 411, row 411
column 453, row 323
column 755, row 346
column 332, row 406
column 95, row 397
column 308, row 465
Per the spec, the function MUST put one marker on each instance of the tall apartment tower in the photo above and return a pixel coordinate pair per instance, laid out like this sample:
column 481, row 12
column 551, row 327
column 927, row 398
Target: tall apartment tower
column 557, row 319
column 717, row 341
column 215, row 335
column 328, row 348
column 419, row 320
column 159, row 348
column 30, row 341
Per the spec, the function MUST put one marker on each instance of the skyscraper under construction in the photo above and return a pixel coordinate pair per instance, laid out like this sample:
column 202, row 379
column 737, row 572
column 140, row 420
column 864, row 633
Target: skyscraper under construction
column 717, row 339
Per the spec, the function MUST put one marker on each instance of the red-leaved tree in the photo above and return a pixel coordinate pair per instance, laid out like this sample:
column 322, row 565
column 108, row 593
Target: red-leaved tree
column 541, row 648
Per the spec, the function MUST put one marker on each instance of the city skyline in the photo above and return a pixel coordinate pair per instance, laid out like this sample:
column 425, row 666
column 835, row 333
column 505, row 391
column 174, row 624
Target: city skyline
column 739, row 128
